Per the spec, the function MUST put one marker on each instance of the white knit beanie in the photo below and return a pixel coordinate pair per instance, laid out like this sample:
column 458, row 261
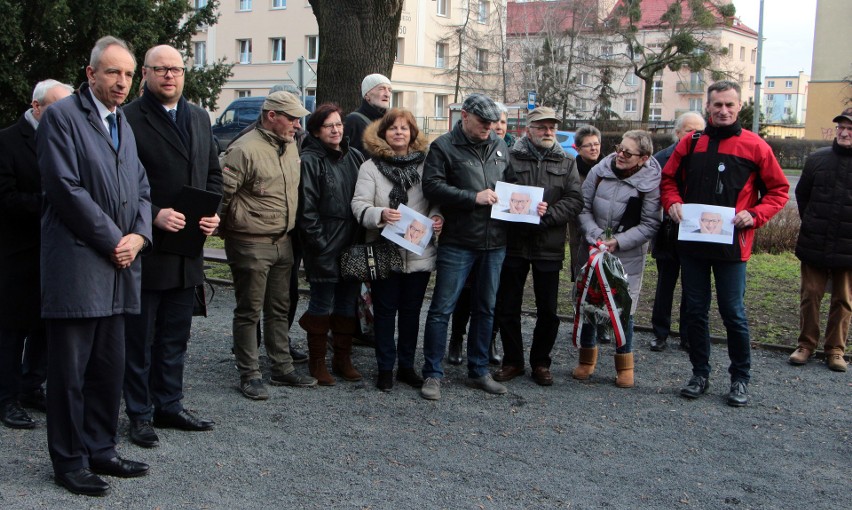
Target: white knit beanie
column 372, row 81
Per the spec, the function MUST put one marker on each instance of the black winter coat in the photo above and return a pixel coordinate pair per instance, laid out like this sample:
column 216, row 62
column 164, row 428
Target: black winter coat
column 453, row 173
column 354, row 125
column 20, row 227
column 557, row 174
column 325, row 222
column 824, row 197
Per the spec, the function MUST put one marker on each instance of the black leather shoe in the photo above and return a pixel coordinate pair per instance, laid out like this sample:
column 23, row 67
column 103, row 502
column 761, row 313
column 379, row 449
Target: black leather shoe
column 409, row 376
column 658, row 344
column 82, row 481
column 142, row 434
column 738, row 397
column 184, row 420
column 454, row 354
column 34, row 399
column 297, row 355
column 384, row 381
column 119, row 467
column 696, row 387
column 14, row 417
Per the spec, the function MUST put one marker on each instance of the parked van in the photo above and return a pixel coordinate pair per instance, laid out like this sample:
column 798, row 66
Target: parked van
column 239, row 114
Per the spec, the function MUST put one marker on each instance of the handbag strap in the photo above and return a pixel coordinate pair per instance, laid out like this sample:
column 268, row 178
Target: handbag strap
column 371, row 263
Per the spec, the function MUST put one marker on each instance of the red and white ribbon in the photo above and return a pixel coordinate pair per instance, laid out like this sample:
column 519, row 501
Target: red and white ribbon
column 595, row 268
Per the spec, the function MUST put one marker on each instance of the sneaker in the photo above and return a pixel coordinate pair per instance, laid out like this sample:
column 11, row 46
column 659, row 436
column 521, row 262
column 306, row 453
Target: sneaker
column 800, row 356
column 254, row 389
column 431, row 389
column 487, row 384
column 409, row 376
column 835, row 361
column 738, row 397
column 293, row 379
column 696, row 387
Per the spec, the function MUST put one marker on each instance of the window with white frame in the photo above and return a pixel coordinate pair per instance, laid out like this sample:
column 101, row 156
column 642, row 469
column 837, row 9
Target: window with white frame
column 441, row 55
column 606, row 51
column 443, row 7
column 243, row 93
column 582, row 105
column 440, row 105
column 482, row 15
column 481, row 60
column 400, row 50
column 244, row 5
column 788, row 84
column 753, row 56
column 695, row 104
column 279, row 47
column 657, row 92
column 751, row 82
column 630, row 105
column 584, row 79
column 742, row 53
column 731, row 50
column 656, row 114
column 199, row 4
column 788, row 97
column 631, row 80
column 396, row 99
column 199, row 53
column 313, row 48
column 244, row 50
column 279, row 4
column 770, row 84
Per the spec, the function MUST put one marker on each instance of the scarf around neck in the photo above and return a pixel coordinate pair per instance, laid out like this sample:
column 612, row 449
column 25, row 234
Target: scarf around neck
column 401, row 171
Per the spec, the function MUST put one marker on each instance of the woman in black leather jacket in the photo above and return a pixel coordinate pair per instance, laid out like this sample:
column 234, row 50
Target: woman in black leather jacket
column 327, row 228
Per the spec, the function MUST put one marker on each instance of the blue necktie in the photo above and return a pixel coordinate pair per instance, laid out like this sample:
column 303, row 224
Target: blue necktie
column 173, row 114
column 113, row 130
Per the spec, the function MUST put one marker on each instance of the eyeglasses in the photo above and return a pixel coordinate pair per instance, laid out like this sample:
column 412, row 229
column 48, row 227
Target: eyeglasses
column 162, row 71
column 590, row 145
column 621, row 150
column 711, row 221
column 285, row 114
column 331, row 125
column 841, row 129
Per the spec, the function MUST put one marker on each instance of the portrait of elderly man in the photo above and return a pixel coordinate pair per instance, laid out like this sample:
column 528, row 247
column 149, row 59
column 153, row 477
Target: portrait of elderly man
column 710, row 223
column 519, row 203
column 415, row 232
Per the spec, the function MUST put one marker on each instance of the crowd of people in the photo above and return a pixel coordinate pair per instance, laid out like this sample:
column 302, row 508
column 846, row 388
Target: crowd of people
column 94, row 195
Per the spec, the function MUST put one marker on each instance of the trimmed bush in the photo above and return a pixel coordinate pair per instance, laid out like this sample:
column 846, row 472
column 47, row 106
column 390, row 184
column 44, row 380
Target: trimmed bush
column 780, row 234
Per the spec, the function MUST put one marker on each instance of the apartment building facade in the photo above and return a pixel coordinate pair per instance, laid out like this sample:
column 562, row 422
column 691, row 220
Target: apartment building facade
column 673, row 92
column 831, row 69
column 784, row 99
column 266, row 37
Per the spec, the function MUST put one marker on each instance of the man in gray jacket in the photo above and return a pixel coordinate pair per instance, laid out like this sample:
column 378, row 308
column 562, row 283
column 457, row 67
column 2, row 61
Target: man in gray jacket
column 96, row 218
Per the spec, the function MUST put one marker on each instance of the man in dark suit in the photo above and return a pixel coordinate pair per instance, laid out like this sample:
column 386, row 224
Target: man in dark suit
column 176, row 147
column 96, row 219
column 21, row 328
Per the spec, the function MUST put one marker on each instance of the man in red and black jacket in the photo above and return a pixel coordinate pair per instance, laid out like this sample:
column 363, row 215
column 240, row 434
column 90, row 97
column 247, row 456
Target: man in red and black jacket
column 729, row 167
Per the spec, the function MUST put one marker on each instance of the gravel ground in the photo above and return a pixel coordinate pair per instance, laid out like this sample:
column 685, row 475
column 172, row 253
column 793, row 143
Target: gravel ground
column 573, row 445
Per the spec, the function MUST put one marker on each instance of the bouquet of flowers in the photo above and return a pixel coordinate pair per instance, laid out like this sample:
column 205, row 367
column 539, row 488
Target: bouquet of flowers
column 602, row 294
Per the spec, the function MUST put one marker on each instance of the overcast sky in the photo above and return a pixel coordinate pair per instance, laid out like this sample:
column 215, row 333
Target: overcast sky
column 788, row 33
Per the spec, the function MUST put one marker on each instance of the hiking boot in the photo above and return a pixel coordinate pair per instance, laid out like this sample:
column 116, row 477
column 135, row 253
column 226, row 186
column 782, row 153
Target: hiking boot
column 800, row 356
column 738, row 397
column 487, row 384
column 696, row 387
column 254, row 389
column 431, row 389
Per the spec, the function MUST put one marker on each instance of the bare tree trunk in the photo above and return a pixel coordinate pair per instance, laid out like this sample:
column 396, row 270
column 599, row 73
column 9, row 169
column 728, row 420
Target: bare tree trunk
column 356, row 38
column 461, row 31
column 646, row 98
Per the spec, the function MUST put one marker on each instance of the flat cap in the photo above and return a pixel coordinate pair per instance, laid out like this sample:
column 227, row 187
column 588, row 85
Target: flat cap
column 482, row 106
column 285, row 102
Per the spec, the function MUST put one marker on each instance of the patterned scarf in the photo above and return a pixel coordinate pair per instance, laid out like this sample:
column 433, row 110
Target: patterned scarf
column 402, row 172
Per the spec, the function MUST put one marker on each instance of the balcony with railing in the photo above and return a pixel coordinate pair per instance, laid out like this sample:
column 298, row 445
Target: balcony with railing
column 696, row 88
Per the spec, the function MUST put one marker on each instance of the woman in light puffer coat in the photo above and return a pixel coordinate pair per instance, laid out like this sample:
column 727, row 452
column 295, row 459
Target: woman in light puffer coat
column 393, row 177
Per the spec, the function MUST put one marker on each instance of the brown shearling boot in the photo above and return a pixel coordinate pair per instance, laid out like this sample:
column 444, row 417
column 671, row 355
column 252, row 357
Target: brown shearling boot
column 342, row 328
column 624, row 370
column 317, row 326
column 586, row 366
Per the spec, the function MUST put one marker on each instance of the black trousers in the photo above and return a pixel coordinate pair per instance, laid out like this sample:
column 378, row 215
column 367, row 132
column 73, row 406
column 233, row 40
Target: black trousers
column 85, row 371
column 668, row 271
column 17, row 376
column 155, row 349
column 510, row 297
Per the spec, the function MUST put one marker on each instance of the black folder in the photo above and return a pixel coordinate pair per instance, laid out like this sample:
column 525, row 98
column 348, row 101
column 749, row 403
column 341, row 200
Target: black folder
column 195, row 204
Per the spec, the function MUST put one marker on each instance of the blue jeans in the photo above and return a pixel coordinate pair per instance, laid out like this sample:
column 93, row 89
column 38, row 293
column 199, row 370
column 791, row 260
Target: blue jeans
column 333, row 298
column 588, row 337
column 730, row 290
column 399, row 297
column 453, row 267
